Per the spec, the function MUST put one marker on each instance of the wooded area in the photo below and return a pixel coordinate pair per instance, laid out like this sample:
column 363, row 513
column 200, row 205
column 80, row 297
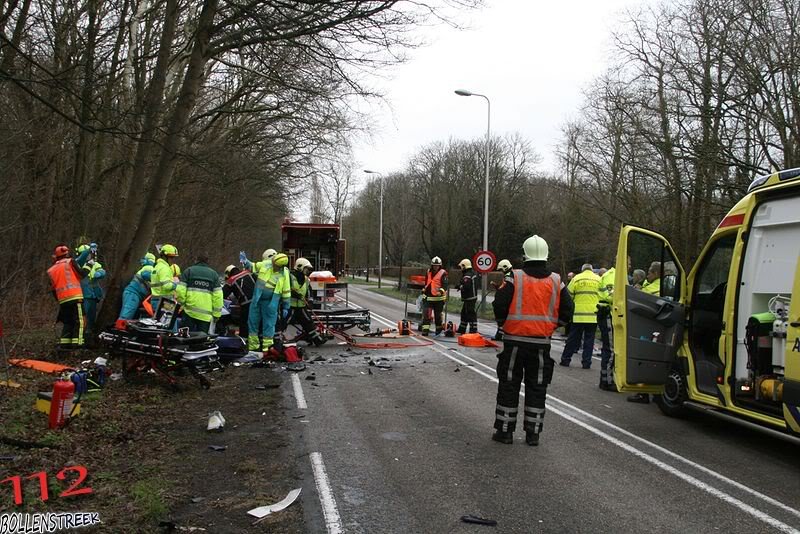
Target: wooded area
column 197, row 123
column 701, row 97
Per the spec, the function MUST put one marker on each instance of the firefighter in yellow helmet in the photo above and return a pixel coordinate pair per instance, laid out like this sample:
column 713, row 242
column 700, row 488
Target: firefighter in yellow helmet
column 530, row 305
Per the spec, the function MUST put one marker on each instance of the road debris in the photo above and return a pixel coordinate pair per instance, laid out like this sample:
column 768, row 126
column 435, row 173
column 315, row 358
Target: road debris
column 478, row 520
column 218, row 448
column 263, row 511
column 296, row 367
column 215, row 421
column 312, row 376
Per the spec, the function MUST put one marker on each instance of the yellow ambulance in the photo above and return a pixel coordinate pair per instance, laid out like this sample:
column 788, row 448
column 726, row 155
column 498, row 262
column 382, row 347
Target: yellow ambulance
column 726, row 337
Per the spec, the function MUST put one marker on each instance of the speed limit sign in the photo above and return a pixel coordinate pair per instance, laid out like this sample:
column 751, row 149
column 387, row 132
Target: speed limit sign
column 484, row 261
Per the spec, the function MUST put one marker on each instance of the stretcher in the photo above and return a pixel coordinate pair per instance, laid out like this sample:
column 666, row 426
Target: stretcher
column 344, row 319
column 147, row 345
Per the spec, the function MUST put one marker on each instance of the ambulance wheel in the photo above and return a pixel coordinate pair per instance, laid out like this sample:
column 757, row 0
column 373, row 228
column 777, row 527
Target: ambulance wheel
column 672, row 402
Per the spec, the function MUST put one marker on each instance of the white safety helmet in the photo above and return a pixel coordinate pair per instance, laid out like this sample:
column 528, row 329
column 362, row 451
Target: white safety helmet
column 535, row 248
column 436, row 260
column 267, row 255
column 504, row 265
column 228, row 269
column 302, row 263
column 465, row 264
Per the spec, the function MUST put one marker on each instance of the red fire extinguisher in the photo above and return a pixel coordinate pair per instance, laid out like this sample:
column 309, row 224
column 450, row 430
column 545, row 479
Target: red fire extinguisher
column 61, row 403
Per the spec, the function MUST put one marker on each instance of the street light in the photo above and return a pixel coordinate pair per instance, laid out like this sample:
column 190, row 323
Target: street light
column 464, row 92
column 380, row 228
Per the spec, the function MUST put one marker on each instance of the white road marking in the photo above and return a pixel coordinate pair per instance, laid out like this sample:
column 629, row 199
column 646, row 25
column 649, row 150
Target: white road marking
column 298, row 393
column 329, row 510
column 680, row 474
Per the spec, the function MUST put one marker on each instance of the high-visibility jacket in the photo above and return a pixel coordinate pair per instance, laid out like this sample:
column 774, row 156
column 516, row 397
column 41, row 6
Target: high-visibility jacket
column 200, row 293
column 141, row 281
column 65, row 279
column 607, row 287
column 91, row 283
column 534, row 307
column 299, row 291
column 435, row 285
column 271, row 282
column 652, row 288
column 161, row 282
column 585, row 291
column 176, row 270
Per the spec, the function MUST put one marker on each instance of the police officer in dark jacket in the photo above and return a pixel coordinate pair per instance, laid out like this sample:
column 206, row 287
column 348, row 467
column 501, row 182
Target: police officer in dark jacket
column 529, row 306
column 469, row 298
column 240, row 285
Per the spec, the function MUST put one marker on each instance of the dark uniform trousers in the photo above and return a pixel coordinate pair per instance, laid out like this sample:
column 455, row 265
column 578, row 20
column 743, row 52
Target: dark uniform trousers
column 606, row 351
column 435, row 308
column 520, row 362
column 469, row 315
column 302, row 317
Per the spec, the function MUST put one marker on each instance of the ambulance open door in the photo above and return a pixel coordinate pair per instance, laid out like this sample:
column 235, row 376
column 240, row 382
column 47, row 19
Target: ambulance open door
column 648, row 314
column 791, row 386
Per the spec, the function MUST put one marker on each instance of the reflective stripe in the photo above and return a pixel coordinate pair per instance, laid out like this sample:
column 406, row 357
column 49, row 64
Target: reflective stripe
column 584, row 313
column 534, row 410
column 519, row 281
column 500, row 417
column 540, row 374
column 195, row 309
column 534, row 418
column 159, row 284
column 198, row 290
column 512, row 362
column 585, row 293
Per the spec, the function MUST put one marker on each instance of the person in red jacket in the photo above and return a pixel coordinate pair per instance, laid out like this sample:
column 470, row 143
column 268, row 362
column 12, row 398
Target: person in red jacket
column 65, row 282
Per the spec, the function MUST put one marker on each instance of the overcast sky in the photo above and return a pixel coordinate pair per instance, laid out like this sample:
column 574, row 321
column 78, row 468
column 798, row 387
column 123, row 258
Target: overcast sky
column 531, row 58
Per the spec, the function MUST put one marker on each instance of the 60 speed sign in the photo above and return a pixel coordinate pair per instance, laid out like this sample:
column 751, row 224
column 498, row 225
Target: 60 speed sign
column 484, row 261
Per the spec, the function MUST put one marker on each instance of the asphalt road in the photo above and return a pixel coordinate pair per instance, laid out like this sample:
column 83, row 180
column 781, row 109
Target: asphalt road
column 409, row 450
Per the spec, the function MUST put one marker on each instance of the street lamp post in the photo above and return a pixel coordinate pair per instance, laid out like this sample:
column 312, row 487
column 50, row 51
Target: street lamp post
column 463, row 92
column 380, row 228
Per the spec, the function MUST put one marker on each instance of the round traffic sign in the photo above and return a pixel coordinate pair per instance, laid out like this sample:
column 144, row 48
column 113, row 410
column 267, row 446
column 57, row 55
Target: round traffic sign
column 484, row 261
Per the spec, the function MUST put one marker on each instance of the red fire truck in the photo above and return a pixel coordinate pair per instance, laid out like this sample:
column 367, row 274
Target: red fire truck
column 318, row 243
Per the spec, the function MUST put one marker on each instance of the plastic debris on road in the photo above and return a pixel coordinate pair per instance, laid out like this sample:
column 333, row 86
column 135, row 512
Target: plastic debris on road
column 263, row 511
column 478, row 520
column 215, row 421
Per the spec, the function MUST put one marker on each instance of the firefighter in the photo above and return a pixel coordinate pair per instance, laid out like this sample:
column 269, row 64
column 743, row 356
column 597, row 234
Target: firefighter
column 65, row 281
column 240, row 284
column 585, row 290
column 138, row 288
column 604, row 324
column 504, row 266
column 200, row 294
column 434, row 296
column 468, row 286
column 531, row 303
column 162, row 283
column 270, row 298
column 300, row 307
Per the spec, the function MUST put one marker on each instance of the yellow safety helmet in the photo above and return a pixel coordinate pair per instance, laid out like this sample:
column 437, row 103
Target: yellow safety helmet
column 465, row 264
column 169, row 250
column 280, row 260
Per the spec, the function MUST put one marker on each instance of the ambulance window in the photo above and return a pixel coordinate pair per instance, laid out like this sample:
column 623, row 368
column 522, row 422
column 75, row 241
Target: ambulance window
column 715, row 266
column 652, row 266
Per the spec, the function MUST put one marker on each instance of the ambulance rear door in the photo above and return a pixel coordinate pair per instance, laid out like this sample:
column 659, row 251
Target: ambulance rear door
column 791, row 386
column 648, row 314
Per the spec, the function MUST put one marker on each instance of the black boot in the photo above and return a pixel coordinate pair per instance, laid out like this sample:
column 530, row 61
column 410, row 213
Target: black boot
column 503, row 437
column 532, row 439
column 462, row 329
column 639, row 398
column 608, row 387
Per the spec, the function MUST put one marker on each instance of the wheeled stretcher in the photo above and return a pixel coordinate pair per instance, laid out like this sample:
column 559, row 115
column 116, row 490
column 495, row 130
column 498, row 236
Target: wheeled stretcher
column 343, row 319
column 147, row 345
